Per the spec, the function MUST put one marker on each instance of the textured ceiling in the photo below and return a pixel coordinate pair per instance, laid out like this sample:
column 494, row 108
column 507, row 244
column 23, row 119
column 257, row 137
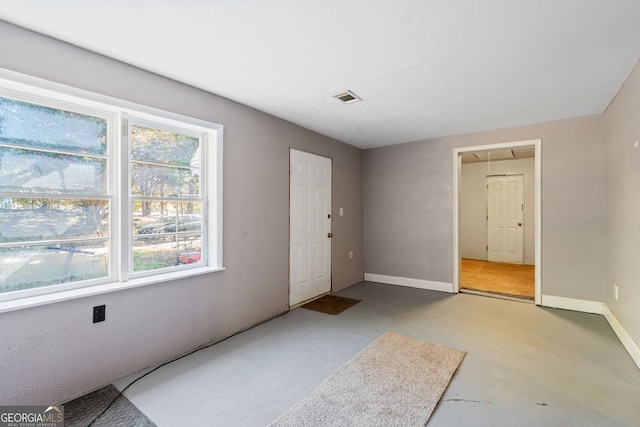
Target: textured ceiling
column 424, row 68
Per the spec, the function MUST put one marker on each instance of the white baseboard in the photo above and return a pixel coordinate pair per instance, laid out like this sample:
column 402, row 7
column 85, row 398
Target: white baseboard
column 412, row 283
column 596, row 307
column 584, row 306
column 629, row 344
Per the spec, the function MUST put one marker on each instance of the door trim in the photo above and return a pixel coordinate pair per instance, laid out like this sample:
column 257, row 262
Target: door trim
column 457, row 173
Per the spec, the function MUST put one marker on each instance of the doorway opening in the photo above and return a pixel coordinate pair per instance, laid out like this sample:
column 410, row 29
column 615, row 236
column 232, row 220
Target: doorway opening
column 497, row 218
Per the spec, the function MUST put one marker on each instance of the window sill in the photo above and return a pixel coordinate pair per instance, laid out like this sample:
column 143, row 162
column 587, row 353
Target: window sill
column 55, row 297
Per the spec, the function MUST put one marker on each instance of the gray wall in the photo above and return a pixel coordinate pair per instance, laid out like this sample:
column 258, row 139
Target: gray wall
column 473, row 206
column 408, row 201
column 622, row 204
column 51, row 353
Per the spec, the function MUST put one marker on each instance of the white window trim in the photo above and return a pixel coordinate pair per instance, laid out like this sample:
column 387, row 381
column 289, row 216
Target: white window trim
column 43, row 89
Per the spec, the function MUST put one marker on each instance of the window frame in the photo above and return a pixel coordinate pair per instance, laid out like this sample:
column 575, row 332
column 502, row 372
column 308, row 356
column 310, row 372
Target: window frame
column 118, row 114
column 129, row 120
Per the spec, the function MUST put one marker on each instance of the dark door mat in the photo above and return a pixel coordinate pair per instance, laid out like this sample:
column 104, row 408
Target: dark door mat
column 331, row 304
column 83, row 410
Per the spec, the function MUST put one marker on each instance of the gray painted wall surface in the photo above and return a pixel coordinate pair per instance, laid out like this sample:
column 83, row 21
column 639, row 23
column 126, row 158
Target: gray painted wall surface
column 408, row 203
column 473, row 206
column 622, row 204
column 52, row 353
column 408, row 211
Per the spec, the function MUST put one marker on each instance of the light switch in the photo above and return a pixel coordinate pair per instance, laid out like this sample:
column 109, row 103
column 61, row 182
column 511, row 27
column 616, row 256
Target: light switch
column 341, row 211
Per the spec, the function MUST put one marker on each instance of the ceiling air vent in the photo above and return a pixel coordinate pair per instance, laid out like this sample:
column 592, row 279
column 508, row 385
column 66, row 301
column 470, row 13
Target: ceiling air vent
column 347, row 97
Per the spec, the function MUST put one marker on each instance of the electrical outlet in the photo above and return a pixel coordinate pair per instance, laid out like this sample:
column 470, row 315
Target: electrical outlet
column 350, row 254
column 615, row 291
column 99, row 313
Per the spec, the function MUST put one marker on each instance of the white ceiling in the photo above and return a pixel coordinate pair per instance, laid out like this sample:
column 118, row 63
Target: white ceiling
column 424, row 68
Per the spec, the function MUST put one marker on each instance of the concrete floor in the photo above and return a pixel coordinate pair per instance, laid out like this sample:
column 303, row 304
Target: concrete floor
column 525, row 365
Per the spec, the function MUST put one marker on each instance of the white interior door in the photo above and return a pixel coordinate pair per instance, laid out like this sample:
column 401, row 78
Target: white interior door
column 505, row 213
column 309, row 226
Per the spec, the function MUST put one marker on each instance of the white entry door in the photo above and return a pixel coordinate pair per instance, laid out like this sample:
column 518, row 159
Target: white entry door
column 505, row 213
column 309, row 226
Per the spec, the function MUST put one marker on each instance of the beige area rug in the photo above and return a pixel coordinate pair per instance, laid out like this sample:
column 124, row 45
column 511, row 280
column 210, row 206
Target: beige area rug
column 516, row 280
column 396, row 381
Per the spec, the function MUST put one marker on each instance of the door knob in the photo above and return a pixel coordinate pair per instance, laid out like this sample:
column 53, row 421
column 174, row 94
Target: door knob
column 329, row 235
column 519, row 224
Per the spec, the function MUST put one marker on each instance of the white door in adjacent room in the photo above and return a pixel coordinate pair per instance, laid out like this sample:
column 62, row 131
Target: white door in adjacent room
column 309, row 226
column 505, row 213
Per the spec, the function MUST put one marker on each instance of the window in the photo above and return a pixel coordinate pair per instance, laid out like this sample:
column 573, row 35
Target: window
column 168, row 205
column 93, row 194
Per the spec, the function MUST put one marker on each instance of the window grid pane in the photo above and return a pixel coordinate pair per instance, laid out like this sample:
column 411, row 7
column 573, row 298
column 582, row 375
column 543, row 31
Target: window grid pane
column 36, row 219
column 25, row 171
column 36, row 266
column 164, row 181
column 165, row 251
column 161, row 146
column 37, row 126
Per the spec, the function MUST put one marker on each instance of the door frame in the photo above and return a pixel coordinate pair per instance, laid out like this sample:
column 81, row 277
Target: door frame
column 457, row 173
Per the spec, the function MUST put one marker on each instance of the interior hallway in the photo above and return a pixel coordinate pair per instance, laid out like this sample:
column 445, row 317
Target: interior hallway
column 525, row 365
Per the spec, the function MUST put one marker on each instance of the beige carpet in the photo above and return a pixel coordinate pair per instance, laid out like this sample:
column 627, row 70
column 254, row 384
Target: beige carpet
column 396, row 381
column 516, row 280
